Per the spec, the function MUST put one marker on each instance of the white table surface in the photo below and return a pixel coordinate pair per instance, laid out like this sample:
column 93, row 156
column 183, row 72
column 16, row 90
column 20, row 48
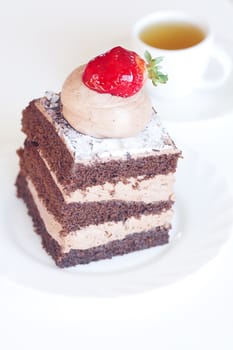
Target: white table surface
column 41, row 42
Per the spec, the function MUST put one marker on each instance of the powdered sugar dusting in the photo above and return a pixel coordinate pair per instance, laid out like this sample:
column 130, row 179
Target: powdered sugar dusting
column 83, row 147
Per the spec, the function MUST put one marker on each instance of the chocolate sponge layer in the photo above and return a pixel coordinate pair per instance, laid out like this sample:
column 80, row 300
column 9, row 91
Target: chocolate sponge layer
column 133, row 242
column 44, row 142
column 72, row 216
column 43, row 134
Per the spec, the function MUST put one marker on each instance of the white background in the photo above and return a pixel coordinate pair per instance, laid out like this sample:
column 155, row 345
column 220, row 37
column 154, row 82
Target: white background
column 41, row 42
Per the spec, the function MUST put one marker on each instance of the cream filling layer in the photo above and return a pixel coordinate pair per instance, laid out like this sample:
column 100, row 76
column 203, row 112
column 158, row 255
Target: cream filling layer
column 96, row 235
column 159, row 188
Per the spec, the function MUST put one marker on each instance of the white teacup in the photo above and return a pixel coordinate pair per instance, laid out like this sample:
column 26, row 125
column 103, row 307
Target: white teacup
column 187, row 64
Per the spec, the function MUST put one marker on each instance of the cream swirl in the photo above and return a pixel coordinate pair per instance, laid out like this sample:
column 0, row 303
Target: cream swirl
column 103, row 115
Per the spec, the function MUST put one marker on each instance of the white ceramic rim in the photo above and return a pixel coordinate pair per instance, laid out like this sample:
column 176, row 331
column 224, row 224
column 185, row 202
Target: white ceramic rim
column 173, row 16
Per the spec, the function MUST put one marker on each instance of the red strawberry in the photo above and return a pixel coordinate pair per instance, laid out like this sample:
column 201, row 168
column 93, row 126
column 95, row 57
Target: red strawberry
column 121, row 72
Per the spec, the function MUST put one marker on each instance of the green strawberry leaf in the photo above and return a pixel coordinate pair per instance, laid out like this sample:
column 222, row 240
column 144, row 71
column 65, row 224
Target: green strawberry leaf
column 153, row 69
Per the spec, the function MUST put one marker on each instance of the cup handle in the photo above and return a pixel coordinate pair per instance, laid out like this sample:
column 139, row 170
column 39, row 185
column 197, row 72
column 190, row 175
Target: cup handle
column 226, row 65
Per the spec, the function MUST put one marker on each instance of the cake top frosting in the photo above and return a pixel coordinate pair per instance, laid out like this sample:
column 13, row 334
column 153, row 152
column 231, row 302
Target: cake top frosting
column 106, row 98
column 83, row 147
column 103, row 115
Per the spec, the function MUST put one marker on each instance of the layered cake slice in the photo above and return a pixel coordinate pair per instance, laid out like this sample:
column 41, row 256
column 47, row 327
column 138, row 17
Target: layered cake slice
column 97, row 168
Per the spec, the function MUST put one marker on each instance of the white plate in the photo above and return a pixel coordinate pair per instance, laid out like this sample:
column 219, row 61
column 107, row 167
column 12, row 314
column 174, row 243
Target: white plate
column 202, row 224
column 203, row 104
